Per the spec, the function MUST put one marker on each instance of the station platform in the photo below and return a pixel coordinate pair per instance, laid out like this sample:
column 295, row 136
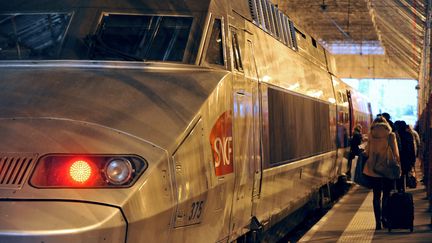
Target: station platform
column 351, row 220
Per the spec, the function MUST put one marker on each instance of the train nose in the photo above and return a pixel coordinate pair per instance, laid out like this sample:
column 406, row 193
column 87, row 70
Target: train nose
column 60, row 221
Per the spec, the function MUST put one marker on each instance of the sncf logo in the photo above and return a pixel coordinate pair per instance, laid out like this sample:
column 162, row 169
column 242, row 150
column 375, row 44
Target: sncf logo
column 221, row 144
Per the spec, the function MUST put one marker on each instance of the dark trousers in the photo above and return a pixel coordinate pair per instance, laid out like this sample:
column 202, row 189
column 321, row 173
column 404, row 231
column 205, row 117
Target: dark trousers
column 381, row 187
column 349, row 165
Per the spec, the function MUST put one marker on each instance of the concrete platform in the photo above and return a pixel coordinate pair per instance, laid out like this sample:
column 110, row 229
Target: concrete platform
column 352, row 220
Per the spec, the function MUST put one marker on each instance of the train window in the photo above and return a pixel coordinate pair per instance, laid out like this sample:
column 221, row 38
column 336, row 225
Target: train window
column 255, row 12
column 215, row 47
column 236, row 49
column 283, row 34
column 272, row 19
column 260, row 13
column 277, row 22
column 300, row 33
column 342, row 135
column 286, row 26
column 314, row 43
column 299, row 127
column 32, row 36
column 270, row 16
column 293, row 35
column 140, row 38
column 345, row 98
column 339, row 97
column 266, row 15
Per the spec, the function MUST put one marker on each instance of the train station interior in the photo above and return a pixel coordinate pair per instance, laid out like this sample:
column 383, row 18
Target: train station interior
column 376, row 40
column 219, row 121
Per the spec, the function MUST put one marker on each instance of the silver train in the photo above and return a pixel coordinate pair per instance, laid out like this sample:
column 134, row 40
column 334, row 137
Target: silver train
column 164, row 121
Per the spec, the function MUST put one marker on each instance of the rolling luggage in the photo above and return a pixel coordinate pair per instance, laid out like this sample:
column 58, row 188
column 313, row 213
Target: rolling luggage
column 400, row 211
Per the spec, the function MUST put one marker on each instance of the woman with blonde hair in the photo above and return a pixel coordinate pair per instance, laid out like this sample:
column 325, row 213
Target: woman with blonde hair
column 380, row 138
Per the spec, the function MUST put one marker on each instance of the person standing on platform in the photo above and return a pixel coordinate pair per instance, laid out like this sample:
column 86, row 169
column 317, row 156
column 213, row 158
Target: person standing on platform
column 389, row 121
column 416, row 138
column 380, row 137
column 356, row 140
column 417, row 144
column 407, row 152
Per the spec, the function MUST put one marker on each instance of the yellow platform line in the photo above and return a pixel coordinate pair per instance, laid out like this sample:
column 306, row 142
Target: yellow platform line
column 361, row 228
column 311, row 232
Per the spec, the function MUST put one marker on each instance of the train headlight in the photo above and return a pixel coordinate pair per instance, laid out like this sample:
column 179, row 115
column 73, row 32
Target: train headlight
column 118, row 171
column 80, row 171
column 87, row 171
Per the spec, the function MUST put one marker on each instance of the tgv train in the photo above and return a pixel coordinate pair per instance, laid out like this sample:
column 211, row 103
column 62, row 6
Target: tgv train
column 164, row 121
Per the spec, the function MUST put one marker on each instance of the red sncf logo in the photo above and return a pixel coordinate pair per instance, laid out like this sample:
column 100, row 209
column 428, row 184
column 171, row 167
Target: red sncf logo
column 221, row 144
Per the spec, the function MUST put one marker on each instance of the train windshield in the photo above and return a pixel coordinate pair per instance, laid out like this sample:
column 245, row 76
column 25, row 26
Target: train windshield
column 32, row 36
column 141, row 37
column 121, row 37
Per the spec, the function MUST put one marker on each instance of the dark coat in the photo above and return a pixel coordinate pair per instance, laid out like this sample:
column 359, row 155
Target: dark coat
column 355, row 143
column 407, row 150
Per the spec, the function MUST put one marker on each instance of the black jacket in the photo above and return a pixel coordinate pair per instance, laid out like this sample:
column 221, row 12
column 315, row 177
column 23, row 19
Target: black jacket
column 355, row 143
column 406, row 150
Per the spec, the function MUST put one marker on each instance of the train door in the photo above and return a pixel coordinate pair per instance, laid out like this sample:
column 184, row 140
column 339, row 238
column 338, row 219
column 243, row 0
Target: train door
column 252, row 74
column 245, row 133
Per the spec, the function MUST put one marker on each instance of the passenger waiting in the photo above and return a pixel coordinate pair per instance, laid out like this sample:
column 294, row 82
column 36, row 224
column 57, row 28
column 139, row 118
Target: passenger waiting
column 379, row 139
column 407, row 152
column 388, row 119
column 356, row 140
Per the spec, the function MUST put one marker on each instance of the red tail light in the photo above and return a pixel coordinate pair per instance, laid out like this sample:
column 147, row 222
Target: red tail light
column 89, row 171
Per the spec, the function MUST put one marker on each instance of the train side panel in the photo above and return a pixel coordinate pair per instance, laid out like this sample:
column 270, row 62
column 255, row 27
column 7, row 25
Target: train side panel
column 287, row 185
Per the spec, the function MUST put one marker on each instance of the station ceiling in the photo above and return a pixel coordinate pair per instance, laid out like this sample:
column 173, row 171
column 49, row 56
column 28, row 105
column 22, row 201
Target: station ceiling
column 397, row 26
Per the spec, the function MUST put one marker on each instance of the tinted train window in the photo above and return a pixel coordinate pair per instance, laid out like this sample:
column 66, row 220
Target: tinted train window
column 32, row 36
column 141, row 37
column 238, row 65
column 215, row 47
column 299, row 127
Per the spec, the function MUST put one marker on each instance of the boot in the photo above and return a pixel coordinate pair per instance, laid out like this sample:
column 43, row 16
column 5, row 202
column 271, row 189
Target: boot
column 378, row 225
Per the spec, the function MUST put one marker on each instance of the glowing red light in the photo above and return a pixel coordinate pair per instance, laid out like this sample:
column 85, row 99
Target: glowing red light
column 80, row 171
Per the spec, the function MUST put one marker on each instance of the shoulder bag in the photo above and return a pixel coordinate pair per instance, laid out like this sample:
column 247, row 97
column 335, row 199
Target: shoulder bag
column 388, row 167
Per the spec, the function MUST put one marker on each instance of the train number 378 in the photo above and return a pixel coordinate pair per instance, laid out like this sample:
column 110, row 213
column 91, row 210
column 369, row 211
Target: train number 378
column 196, row 210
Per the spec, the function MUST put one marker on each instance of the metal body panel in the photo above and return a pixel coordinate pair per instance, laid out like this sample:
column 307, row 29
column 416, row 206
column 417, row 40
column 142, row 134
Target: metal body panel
column 244, row 153
column 60, row 221
column 290, row 70
column 131, row 101
column 285, row 188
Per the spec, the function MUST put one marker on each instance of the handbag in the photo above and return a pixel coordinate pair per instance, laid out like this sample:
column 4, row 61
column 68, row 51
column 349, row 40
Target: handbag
column 359, row 177
column 388, row 167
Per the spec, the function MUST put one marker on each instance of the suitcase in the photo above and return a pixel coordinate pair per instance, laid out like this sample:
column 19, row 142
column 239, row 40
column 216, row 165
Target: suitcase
column 400, row 208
